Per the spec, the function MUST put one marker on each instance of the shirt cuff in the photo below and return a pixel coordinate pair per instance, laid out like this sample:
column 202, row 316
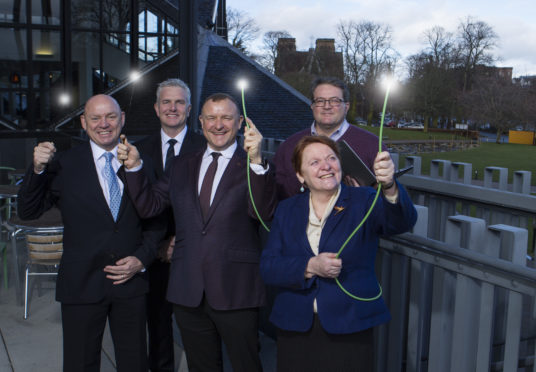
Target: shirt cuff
column 393, row 199
column 135, row 169
column 259, row 169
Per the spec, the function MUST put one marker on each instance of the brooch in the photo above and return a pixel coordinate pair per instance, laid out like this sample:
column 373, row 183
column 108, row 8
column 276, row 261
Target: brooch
column 338, row 209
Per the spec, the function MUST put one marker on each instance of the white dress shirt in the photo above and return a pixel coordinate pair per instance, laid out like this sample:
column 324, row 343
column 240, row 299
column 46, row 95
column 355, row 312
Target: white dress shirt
column 165, row 145
column 223, row 161
column 100, row 162
column 335, row 136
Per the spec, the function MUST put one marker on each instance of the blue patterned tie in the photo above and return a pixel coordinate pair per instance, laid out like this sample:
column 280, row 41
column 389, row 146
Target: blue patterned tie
column 113, row 185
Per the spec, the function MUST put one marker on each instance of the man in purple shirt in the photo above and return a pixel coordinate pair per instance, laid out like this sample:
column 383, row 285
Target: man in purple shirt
column 330, row 103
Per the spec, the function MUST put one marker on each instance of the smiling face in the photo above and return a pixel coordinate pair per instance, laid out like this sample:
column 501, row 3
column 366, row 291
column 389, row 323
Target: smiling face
column 103, row 120
column 220, row 121
column 172, row 109
column 327, row 117
column 320, row 168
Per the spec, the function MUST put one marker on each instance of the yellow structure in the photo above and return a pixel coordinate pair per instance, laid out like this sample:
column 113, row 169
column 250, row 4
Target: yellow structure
column 521, row 137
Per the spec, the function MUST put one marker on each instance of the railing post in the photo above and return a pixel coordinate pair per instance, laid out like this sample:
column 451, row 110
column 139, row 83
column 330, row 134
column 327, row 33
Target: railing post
column 416, row 162
column 522, row 182
column 467, row 172
column 434, row 169
column 503, row 177
column 420, row 293
column 455, row 300
column 511, row 244
column 395, row 157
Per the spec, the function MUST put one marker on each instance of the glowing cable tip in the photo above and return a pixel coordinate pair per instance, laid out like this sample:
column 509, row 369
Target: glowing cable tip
column 388, row 82
column 64, row 99
column 242, row 84
column 135, row 76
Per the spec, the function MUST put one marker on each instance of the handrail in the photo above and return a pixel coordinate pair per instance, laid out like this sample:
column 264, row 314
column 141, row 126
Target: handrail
column 467, row 262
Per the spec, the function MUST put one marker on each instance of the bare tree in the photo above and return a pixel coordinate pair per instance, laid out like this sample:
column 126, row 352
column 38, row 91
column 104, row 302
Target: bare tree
column 367, row 53
column 270, row 40
column 241, row 29
column 476, row 39
column 432, row 76
column 498, row 102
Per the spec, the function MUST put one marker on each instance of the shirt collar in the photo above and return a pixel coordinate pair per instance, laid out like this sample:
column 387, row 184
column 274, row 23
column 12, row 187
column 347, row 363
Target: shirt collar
column 313, row 219
column 179, row 137
column 335, row 135
column 227, row 153
column 99, row 151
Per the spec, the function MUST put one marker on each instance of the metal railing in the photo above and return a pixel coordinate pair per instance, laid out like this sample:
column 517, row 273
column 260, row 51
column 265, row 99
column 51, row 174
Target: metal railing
column 459, row 290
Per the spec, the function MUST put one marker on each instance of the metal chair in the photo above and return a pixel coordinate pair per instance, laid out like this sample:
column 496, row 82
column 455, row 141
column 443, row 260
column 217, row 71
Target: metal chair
column 5, row 214
column 44, row 249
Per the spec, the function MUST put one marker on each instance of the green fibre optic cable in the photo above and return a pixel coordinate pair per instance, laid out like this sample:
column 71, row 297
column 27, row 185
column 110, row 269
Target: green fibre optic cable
column 365, row 299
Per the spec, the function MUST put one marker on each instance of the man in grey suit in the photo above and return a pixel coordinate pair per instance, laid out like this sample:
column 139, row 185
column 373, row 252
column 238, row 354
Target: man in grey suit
column 174, row 138
column 214, row 283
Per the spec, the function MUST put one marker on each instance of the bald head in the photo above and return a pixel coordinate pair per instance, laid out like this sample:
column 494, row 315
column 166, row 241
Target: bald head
column 103, row 121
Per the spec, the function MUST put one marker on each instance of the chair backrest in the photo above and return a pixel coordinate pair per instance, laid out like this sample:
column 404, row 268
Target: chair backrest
column 4, row 175
column 44, row 249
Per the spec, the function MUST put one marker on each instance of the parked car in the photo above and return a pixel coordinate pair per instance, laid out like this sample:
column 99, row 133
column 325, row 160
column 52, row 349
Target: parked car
column 414, row 125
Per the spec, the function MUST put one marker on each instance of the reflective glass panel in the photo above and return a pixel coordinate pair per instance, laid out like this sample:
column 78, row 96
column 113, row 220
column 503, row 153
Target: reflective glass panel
column 85, row 13
column 13, row 11
column 46, row 45
column 46, row 12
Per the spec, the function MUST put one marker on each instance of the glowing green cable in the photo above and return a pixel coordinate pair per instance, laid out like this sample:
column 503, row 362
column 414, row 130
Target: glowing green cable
column 368, row 214
column 248, row 161
column 358, row 226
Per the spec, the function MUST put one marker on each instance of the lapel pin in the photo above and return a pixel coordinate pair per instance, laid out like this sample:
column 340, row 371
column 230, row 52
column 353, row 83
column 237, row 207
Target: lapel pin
column 338, row 209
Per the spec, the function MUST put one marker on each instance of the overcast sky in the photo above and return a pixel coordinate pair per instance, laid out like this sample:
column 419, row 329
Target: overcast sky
column 514, row 21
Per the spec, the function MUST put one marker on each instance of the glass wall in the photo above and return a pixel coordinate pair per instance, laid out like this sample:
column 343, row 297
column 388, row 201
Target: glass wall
column 74, row 49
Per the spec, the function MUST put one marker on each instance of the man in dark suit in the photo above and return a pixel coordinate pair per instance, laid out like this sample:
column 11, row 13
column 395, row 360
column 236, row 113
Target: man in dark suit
column 105, row 248
column 174, row 139
column 214, row 282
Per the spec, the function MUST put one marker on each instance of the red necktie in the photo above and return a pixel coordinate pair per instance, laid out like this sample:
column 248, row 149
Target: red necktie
column 206, row 187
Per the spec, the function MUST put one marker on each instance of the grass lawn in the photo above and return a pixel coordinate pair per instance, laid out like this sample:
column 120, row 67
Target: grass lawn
column 512, row 156
column 408, row 134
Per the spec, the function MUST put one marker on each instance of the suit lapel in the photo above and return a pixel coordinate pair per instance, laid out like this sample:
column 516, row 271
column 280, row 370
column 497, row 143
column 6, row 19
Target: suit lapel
column 91, row 180
column 156, row 153
column 231, row 176
column 187, row 145
column 337, row 214
column 300, row 221
column 194, row 167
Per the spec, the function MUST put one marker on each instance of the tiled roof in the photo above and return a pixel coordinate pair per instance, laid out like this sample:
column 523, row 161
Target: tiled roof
column 276, row 109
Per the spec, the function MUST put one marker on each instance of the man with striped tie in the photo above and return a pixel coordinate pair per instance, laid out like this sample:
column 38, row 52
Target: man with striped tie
column 106, row 245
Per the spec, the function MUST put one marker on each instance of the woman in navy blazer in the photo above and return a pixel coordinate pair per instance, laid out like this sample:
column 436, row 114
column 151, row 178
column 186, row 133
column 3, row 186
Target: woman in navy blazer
column 320, row 328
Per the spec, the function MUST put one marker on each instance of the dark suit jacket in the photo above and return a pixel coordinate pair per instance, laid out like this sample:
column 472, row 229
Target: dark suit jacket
column 218, row 257
column 285, row 258
column 91, row 238
column 150, row 149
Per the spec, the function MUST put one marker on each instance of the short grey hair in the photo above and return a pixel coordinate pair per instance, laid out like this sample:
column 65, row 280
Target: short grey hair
column 174, row 82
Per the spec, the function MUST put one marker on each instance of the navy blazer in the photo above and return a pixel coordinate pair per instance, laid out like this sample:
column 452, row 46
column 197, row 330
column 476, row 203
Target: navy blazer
column 217, row 258
column 91, row 237
column 284, row 261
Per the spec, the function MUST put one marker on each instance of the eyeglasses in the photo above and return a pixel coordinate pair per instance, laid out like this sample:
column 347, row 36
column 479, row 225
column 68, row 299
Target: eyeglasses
column 333, row 102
